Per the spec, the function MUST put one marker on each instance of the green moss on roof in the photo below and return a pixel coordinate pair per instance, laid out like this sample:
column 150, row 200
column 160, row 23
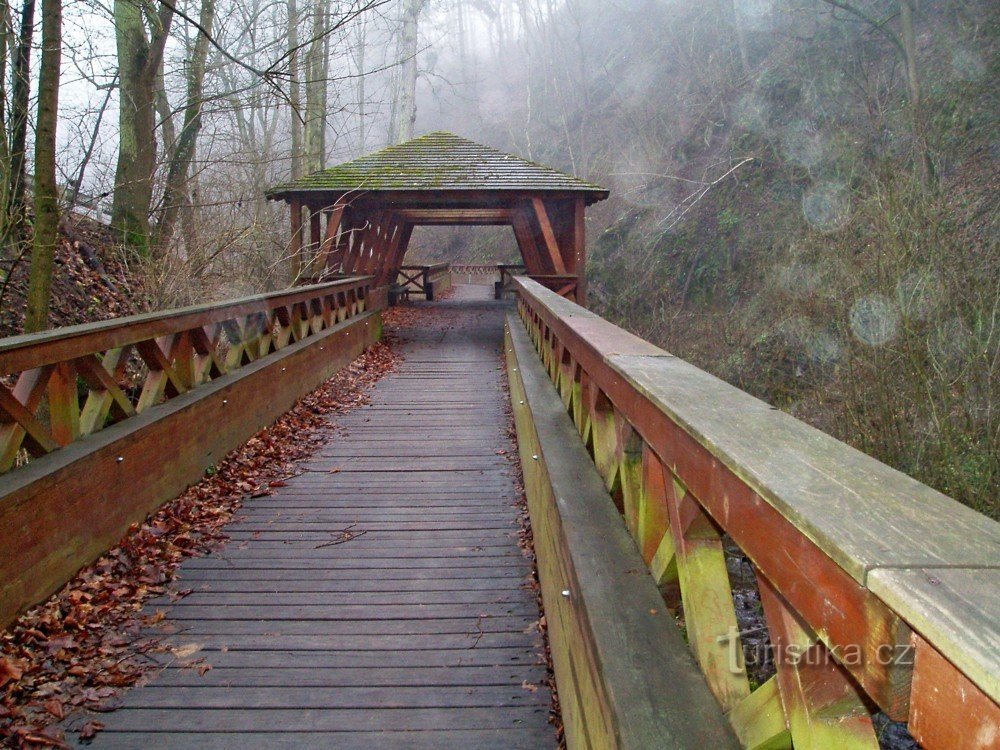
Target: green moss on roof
column 437, row 161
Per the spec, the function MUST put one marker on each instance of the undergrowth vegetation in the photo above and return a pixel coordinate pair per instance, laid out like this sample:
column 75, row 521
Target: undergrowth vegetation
column 787, row 215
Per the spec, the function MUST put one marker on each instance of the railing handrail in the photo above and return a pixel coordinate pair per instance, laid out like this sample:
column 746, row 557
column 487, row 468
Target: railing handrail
column 866, row 518
column 427, row 267
column 27, row 351
column 618, row 344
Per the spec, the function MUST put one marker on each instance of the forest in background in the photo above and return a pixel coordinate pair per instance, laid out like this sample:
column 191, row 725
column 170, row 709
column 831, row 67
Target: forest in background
column 803, row 191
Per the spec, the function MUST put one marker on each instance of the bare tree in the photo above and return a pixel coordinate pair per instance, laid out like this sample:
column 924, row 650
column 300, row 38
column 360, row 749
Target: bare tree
column 19, row 121
column 176, row 192
column 406, row 92
column 46, row 227
column 140, row 54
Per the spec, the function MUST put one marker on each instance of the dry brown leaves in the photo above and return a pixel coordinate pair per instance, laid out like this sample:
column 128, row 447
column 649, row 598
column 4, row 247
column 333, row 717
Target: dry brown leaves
column 83, row 645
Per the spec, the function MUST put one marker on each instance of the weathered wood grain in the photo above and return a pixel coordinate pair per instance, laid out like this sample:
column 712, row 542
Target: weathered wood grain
column 607, row 624
column 65, row 509
column 419, row 632
column 851, row 547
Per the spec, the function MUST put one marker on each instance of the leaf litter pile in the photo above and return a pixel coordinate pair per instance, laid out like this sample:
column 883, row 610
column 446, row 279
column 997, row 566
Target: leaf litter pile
column 86, row 643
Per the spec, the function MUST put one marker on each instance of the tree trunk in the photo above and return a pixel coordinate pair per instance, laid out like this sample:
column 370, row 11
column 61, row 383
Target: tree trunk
column 176, row 192
column 922, row 155
column 362, row 94
column 46, row 193
column 741, row 37
column 406, row 111
column 139, row 59
column 20, row 93
column 5, row 44
column 294, row 89
column 315, row 116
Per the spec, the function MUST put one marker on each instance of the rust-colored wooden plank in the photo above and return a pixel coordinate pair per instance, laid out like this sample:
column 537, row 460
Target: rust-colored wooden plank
column 315, row 234
column 295, row 244
column 445, row 217
column 37, row 439
column 27, row 394
column 947, row 710
column 542, row 217
column 64, row 403
column 526, row 242
column 579, row 250
column 823, row 706
column 119, row 474
column 393, row 258
column 330, row 239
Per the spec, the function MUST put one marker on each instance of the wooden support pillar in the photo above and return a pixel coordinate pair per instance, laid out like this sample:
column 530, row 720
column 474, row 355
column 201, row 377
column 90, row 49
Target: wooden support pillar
column 526, row 243
column 360, row 238
column 334, row 218
column 295, row 246
column 338, row 253
column 377, row 239
column 823, row 706
column 315, row 232
column 386, row 230
column 579, row 250
column 549, row 244
column 401, row 245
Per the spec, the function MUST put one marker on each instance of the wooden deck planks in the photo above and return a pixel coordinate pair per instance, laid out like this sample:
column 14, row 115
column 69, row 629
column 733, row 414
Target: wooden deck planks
column 420, row 632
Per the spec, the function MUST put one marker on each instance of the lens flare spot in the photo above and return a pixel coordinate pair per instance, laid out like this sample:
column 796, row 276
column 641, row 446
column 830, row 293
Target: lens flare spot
column 968, row 64
column 751, row 113
column 874, row 320
column 802, row 144
column 918, row 294
column 827, row 206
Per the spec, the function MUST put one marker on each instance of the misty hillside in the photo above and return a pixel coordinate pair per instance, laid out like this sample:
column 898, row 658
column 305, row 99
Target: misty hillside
column 771, row 218
column 803, row 192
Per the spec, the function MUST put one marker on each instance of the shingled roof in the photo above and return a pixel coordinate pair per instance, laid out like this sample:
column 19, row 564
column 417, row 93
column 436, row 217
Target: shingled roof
column 439, row 162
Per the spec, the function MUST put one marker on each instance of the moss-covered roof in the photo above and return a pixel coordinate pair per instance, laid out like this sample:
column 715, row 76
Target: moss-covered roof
column 438, row 161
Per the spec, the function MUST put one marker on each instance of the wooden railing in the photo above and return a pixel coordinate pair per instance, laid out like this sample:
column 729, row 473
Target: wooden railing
column 428, row 280
column 89, row 376
column 878, row 592
column 119, row 416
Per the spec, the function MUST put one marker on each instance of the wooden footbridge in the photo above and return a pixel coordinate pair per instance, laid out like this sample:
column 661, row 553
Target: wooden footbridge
column 381, row 598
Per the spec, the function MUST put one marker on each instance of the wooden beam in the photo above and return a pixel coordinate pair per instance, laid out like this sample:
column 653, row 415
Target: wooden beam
column 467, row 216
column 357, row 255
column 393, row 259
column 549, row 237
column 403, row 244
column 579, row 250
column 295, row 246
column 823, row 706
column 338, row 253
column 526, row 243
column 333, row 221
column 315, row 231
column 380, row 250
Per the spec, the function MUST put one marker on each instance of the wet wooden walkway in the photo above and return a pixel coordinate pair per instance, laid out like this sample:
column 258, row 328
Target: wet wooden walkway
column 418, row 632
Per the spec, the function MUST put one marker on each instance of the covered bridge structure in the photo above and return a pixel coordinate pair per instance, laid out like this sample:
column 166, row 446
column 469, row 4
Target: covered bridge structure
column 361, row 214
column 714, row 574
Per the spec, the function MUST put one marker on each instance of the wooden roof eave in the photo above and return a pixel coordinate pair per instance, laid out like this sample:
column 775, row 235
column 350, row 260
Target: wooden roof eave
column 435, row 197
